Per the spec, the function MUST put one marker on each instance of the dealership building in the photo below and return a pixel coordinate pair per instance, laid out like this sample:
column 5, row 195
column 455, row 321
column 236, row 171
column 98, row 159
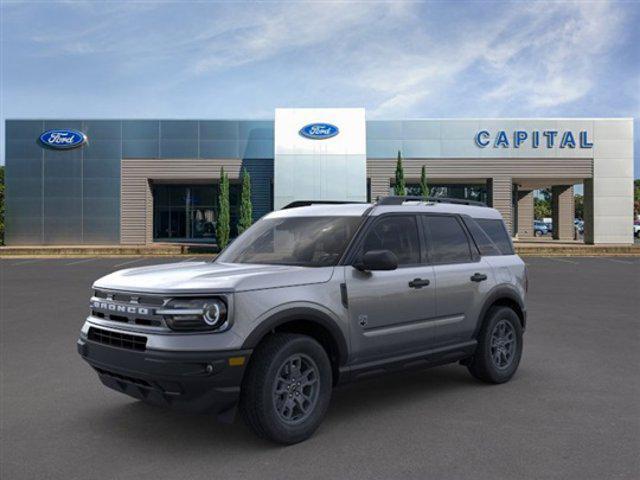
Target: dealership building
column 136, row 182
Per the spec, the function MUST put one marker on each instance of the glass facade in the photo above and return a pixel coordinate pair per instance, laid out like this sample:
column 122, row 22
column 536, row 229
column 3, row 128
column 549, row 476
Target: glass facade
column 73, row 196
column 414, row 138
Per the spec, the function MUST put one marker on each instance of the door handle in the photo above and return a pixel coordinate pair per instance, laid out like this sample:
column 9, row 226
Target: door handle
column 478, row 277
column 419, row 283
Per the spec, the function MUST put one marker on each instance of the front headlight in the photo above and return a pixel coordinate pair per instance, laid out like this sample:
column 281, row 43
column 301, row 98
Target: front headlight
column 195, row 314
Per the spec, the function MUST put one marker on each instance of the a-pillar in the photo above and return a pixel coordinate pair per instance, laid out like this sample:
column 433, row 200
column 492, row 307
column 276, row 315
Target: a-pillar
column 563, row 211
column 525, row 214
column 500, row 192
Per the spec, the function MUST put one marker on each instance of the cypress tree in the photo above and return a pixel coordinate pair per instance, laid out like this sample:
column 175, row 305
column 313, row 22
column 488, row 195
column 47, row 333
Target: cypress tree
column 424, row 188
column 224, row 216
column 245, row 219
column 399, row 187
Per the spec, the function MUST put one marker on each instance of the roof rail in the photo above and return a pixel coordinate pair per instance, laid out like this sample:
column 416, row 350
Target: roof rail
column 399, row 200
column 307, row 203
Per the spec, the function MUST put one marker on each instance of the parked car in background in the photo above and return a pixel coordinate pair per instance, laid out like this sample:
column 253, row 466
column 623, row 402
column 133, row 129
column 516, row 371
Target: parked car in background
column 540, row 228
column 636, row 228
column 579, row 225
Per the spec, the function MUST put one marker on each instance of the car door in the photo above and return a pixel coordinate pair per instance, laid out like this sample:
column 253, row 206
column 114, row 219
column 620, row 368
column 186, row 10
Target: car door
column 462, row 277
column 389, row 311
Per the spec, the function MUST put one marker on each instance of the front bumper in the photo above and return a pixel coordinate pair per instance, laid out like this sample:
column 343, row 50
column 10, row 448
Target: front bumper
column 193, row 381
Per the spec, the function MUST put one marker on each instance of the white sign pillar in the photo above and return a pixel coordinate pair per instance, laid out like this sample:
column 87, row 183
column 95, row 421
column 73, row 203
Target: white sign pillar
column 320, row 165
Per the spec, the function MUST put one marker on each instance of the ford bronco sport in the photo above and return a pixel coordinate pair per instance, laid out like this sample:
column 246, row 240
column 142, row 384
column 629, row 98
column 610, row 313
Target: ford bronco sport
column 310, row 297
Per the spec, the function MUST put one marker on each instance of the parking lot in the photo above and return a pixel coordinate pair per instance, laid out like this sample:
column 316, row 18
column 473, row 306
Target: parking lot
column 571, row 412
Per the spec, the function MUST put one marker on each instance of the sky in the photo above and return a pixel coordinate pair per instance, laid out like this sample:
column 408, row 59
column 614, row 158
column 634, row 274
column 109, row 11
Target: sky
column 208, row 60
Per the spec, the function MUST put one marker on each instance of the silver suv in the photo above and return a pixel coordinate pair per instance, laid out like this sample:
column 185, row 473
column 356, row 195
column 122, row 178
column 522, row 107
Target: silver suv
column 310, row 297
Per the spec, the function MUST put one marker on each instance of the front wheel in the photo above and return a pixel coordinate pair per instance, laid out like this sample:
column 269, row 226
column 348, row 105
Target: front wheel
column 499, row 347
column 287, row 388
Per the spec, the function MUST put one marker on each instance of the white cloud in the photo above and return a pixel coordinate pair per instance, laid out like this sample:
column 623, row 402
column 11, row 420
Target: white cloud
column 399, row 104
column 554, row 58
column 394, row 56
column 267, row 33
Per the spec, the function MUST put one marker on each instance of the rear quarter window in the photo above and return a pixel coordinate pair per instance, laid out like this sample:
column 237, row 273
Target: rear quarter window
column 497, row 232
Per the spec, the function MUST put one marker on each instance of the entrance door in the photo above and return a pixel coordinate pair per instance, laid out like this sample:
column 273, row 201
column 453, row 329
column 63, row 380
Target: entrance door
column 390, row 311
column 188, row 213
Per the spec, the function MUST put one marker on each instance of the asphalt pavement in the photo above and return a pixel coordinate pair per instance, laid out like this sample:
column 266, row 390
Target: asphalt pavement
column 571, row 412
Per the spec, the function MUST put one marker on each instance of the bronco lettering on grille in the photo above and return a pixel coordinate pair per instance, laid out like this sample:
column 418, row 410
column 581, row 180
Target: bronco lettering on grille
column 118, row 308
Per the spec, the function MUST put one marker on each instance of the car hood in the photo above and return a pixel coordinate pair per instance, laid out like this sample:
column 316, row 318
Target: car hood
column 207, row 277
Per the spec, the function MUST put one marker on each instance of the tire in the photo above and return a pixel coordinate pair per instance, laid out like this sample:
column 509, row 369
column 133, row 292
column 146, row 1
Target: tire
column 499, row 363
column 274, row 403
column 538, row 233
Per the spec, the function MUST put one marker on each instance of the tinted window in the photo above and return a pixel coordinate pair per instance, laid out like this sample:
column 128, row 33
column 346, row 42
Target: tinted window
column 447, row 240
column 482, row 240
column 303, row 241
column 398, row 234
column 498, row 233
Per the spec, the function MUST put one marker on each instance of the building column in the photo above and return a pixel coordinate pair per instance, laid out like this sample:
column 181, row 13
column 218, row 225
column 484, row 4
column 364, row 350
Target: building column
column 562, row 211
column 500, row 193
column 588, row 210
column 525, row 214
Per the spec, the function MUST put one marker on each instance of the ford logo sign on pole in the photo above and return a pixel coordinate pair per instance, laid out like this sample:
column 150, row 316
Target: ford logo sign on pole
column 319, row 131
column 63, row 139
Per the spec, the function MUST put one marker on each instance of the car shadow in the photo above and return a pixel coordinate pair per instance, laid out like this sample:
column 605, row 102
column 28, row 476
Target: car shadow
column 138, row 422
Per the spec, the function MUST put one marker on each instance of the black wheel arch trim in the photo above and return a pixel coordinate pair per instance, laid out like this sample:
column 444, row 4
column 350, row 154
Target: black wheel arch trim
column 502, row 292
column 296, row 314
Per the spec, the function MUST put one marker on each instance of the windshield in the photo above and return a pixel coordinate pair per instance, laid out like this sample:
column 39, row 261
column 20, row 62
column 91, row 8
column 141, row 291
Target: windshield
column 303, row 241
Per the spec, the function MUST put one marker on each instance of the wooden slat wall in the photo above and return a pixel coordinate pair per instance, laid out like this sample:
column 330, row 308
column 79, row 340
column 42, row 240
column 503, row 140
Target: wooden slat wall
column 136, row 218
column 499, row 171
column 381, row 171
column 563, row 209
column 525, row 214
column 502, row 197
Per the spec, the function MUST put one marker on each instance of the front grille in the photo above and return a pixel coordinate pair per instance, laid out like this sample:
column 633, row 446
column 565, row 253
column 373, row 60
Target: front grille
column 132, row 308
column 117, row 339
column 152, row 300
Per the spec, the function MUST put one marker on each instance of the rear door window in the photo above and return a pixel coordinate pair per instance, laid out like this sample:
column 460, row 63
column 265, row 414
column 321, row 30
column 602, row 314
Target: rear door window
column 497, row 232
column 446, row 240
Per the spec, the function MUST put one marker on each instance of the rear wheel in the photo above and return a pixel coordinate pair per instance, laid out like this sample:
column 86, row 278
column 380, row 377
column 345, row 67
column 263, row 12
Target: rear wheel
column 499, row 347
column 287, row 388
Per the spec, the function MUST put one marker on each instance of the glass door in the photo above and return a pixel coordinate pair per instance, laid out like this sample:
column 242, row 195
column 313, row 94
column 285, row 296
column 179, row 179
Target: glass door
column 188, row 213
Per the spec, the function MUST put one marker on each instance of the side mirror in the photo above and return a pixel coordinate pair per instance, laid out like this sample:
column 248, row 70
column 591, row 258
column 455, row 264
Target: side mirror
column 377, row 260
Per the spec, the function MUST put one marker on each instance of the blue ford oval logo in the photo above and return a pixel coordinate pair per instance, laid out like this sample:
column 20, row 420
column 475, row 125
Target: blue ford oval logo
column 63, row 139
column 319, row 131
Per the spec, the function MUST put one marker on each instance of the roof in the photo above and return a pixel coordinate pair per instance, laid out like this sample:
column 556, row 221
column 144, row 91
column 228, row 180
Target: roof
column 413, row 206
column 358, row 209
column 344, row 210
